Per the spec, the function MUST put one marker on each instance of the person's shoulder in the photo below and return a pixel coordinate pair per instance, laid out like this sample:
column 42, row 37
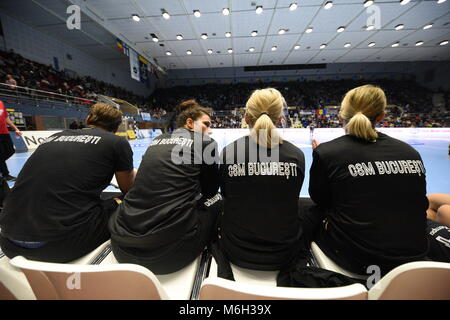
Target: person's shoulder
column 399, row 144
column 290, row 147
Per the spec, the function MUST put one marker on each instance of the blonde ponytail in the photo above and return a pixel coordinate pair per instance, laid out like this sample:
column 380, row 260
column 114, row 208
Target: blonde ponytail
column 264, row 107
column 361, row 127
column 361, row 107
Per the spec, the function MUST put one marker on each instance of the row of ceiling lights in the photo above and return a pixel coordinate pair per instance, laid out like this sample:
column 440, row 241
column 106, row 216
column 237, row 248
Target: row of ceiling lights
column 308, row 30
column 259, row 9
column 322, row 46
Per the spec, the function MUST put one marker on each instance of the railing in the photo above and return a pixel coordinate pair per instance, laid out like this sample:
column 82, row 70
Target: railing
column 19, row 94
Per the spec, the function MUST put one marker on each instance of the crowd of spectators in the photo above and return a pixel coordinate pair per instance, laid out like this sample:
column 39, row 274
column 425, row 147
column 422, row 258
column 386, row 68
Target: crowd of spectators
column 15, row 70
column 305, row 98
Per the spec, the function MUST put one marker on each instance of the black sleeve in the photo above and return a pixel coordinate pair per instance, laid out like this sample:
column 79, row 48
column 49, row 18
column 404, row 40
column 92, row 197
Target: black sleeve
column 222, row 171
column 123, row 155
column 319, row 184
column 209, row 174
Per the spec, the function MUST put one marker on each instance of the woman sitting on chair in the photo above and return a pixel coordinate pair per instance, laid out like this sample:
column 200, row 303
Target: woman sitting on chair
column 370, row 189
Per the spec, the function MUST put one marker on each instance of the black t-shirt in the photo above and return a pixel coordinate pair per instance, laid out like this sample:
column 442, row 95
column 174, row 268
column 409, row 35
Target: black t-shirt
column 375, row 198
column 58, row 189
column 260, row 226
column 177, row 172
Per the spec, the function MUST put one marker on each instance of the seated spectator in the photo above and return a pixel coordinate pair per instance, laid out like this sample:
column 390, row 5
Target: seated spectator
column 11, row 81
column 438, row 215
column 370, row 189
column 261, row 178
column 168, row 218
column 63, row 217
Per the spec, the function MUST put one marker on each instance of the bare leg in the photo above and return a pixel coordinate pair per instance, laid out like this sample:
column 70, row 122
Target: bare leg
column 439, row 208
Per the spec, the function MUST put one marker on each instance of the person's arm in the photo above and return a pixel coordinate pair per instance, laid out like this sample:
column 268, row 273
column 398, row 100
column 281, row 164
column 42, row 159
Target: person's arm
column 319, row 184
column 209, row 176
column 12, row 125
column 125, row 180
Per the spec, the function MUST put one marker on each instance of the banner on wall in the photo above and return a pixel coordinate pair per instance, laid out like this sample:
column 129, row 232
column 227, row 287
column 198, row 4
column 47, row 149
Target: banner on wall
column 134, row 65
column 33, row 139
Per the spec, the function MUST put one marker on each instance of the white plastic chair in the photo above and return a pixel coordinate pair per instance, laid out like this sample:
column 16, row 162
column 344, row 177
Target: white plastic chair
column 14, row 283
column 178, row 285
column 422, row 280
column 325, row 262
column 54, row 281
column 222, row 289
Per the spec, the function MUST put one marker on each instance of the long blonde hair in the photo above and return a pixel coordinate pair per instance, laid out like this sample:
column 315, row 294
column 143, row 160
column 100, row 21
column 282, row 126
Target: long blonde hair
column 264, row 108
column 360, row 107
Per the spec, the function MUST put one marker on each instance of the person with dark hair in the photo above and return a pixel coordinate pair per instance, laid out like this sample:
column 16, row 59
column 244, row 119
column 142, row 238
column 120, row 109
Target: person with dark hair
column 73, row 125
column 54, row 212
column 6, row 144
column 169, row 215
column 370, row 191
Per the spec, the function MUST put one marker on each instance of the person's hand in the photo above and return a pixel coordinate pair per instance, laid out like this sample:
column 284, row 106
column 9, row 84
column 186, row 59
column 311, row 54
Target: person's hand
column 314, row 143
column 19, row 133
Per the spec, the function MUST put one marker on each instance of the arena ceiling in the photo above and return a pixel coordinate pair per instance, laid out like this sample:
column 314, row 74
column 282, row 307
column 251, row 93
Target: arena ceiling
column 324, row 44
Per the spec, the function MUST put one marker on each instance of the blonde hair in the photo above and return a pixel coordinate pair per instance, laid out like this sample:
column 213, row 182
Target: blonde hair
column 361, row 106
column 106, row 116
column 264, row 108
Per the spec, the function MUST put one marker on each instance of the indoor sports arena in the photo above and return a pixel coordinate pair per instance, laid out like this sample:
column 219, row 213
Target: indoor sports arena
column 197, row 150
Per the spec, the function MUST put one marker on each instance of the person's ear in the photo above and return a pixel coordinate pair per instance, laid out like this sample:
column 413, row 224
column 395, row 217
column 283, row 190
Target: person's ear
column 190, row 123
column 248, row 120
column 380, row 117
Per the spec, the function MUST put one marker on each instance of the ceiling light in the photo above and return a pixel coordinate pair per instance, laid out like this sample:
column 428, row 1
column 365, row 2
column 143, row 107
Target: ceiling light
column 403, row 2
column 282, row 31
column 168, row 53
column 368, row 3
column 155, row 39
column 293, row 6
column 197, row 13
column 399, row 27
column 443, row 43
column 210, row 51
column 225, row 11
column 230, row 50
column 189, row 52
column 322, row 46
column 254, row 33
column 419, row 43
column 428, row 26
column 441, row 1
column 227, row 34
column 347, row 45
column 296, row 47
column 340, row 29
column 396, row 44
column 166, row 15
column 179, row 37
column 309, row 30
column 371, row 44
column 136, row 18
column 369, row 28
column 251, row 49
column 274, row 48
column 328, row 4
column 204, row 36
column 259, row 9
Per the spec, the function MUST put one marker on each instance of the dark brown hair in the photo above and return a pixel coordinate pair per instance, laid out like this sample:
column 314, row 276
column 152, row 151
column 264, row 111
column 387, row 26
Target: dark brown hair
column 190, row 109
column 105, row 116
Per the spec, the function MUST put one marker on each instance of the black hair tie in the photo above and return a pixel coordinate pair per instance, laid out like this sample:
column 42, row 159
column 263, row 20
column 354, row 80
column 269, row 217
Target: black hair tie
column 263, row 113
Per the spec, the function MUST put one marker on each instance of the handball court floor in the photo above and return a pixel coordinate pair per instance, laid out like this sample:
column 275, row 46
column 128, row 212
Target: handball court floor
column 433, row 148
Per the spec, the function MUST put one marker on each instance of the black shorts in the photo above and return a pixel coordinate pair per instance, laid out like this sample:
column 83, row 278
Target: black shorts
column 439, row 239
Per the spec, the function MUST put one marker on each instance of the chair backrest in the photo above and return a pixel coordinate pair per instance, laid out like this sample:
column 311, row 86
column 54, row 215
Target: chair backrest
column 54, row 281
column 423, row 280
column 222, row 289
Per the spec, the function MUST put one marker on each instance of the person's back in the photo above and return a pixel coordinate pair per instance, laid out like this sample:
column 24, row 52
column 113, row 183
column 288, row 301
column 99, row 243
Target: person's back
column 371, row 189
column 166, row 219
column 375, row 199
column 57, row 193
column 261, row 183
